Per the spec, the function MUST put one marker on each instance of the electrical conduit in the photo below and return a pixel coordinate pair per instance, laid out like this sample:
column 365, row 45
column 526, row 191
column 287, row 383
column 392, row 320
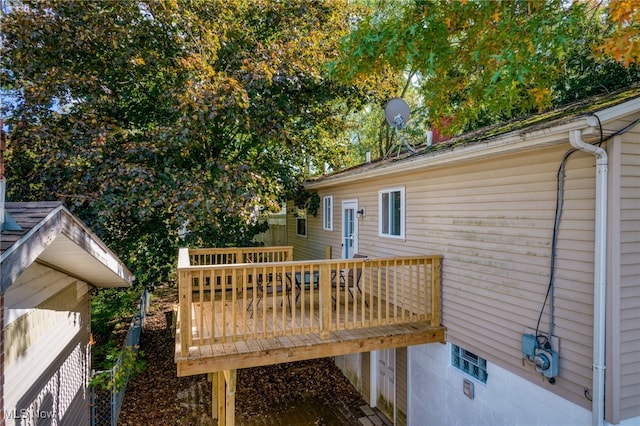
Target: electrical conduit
column 599, row 274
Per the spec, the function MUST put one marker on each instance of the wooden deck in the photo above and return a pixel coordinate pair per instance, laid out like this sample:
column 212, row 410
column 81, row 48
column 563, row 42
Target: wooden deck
column 247, row 307
column 265, row 346
column 269, row 309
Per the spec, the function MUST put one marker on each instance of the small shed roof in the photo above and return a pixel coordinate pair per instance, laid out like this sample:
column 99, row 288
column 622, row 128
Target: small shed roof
column 51, row 235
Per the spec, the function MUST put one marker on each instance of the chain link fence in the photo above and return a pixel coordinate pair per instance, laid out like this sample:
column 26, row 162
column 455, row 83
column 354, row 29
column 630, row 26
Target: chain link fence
column 106, row 403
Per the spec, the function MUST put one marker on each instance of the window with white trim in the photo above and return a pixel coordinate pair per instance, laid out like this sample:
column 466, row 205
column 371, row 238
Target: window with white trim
column 327, row 213
column 469, row 362
column 391, row 208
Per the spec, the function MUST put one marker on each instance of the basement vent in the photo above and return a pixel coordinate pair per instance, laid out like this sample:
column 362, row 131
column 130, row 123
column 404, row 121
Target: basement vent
column 469, row 362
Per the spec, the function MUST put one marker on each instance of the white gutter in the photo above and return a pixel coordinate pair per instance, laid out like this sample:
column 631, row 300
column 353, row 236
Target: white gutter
column 599, row 274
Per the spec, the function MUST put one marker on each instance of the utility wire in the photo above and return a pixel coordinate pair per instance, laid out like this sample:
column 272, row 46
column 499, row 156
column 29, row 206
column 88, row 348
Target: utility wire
column 560, row 178
column 554, row 245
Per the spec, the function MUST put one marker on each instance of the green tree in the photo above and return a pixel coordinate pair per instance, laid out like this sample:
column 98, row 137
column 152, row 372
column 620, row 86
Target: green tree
column 479, row 62
column 149, row 116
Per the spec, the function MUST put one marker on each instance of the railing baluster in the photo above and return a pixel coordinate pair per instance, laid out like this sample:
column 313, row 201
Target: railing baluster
column 355, row 292
column 223, row 303
column 312, row 299
column 299, row 294
column 265, row 301
column 245, row 288
column 405, row 302
column 364, row 305
column 386, row 297
column 428, row 290
column 274, row 324
column 214, row 280
column 234, row 289
column 283, row 306
column 395, row 291
column 325, row 300
column 200, row 323
column 339, row 286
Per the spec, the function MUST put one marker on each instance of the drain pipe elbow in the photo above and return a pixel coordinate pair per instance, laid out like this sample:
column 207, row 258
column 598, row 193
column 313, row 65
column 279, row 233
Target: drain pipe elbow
column 599, row 274
column 575, row 138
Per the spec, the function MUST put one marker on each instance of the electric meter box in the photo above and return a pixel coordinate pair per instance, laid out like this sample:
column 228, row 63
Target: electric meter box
column 529, row 344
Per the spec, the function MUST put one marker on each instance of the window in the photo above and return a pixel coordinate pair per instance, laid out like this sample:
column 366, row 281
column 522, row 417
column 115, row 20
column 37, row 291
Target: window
column 327, row 213
column 391, row 207
column 469, row 362
column 301, row 226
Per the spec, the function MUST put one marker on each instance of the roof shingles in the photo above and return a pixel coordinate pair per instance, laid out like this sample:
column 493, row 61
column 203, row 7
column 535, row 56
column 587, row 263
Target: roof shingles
column 27, row 215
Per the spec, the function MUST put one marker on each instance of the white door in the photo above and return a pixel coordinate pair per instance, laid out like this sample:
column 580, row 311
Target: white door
column 349, row 229
column 385, row 366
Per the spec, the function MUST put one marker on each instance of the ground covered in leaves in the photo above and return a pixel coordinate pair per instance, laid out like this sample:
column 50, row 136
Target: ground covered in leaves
column 312, row 392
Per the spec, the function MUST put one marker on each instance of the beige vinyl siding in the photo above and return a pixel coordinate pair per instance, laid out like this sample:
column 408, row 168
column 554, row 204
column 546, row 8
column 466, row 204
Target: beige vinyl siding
column 46, row 344
column 313, row 245
column 630, row 276
column 492, row 221
column 36, row 323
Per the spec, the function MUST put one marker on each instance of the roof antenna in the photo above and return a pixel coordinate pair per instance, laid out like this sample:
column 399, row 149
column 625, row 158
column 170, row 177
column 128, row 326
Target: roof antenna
column 6, row 221
column 397, row 114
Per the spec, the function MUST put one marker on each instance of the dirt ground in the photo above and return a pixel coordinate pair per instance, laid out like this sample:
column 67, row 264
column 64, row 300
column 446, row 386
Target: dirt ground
column 313, row 392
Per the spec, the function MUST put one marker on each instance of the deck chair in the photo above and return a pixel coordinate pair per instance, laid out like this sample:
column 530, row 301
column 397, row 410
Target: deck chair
column 267, row 286
column 350, row 279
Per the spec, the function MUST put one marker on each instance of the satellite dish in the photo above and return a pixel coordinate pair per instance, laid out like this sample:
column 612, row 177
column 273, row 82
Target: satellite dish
column 397, row 112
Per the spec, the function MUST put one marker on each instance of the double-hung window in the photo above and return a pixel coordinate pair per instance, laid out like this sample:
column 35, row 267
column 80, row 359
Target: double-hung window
column 391, row 208
column 327, row 213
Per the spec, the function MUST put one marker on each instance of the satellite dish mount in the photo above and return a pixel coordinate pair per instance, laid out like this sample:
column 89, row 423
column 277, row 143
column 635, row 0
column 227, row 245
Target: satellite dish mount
column 397, row 113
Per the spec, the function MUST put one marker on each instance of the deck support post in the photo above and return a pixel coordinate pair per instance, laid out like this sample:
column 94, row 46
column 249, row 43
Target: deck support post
column 325, row 300
column 230, row 396
column 214, row 394
column 221, row 416
column 223, row 397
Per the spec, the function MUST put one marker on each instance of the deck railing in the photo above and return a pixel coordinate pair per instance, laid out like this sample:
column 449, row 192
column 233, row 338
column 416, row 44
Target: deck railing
column 294, row 298
column 231, row 255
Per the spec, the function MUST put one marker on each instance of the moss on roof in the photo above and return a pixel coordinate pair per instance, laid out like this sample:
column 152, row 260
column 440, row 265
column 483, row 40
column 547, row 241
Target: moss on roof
column 565, row 113
column 542, row 120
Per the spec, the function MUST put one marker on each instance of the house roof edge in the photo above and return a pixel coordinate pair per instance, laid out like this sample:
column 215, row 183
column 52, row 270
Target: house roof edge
column 461, row 148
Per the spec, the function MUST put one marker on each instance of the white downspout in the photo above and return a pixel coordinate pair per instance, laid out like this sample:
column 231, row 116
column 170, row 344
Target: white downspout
column 599, row 274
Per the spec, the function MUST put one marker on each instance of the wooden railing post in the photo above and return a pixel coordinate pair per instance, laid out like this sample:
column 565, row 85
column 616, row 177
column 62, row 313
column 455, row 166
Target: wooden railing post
column 325, row 300
column 184, row 289
column 436, row 291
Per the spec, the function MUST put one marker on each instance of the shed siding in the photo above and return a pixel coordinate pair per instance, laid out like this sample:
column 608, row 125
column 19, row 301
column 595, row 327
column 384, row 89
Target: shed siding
column 493, row 222
column 46, row 345
column 630, row 275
